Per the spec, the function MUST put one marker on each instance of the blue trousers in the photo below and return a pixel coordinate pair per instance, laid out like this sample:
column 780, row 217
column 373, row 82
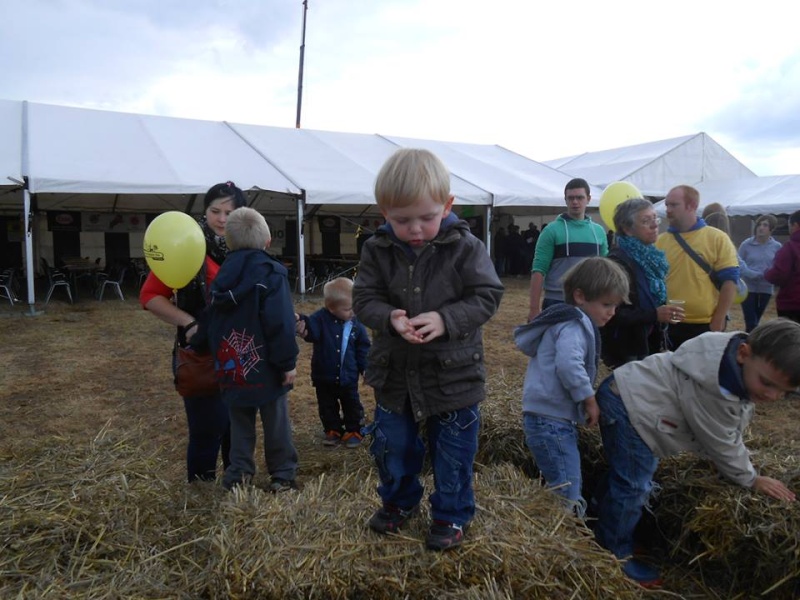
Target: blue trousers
column 753, row 308
column 209, row 432
column 631, row 468
column 554, row 446
column 399, row 451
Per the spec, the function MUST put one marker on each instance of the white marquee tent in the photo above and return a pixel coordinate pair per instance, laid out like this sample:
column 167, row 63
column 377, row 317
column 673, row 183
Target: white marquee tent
column 655, row 167
column 753, row 196
column 91, row 160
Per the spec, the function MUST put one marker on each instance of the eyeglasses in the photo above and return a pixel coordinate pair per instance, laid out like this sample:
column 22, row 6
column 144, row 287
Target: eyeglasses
column 649, row 222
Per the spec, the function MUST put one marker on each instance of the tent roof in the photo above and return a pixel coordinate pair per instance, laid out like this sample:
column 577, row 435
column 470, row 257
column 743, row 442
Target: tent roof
column 655, row 167
column 74, row 150
column 778, row 194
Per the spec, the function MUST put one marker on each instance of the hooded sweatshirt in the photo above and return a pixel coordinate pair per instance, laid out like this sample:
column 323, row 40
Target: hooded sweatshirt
column 562, row 244
column 564, row 346
column 251, row 328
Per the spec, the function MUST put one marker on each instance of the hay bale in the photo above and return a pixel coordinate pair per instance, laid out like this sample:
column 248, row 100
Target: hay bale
column 98, row 520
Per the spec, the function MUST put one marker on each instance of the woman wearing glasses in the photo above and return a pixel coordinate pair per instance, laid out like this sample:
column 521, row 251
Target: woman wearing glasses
column 638, row 328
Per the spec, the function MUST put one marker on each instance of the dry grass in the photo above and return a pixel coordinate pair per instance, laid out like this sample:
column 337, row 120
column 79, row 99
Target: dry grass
column 93, row 501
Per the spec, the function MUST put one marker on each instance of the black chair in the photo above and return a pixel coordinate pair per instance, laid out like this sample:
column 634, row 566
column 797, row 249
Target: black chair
column 56, row 279
column 114, row 279
column 8, row 288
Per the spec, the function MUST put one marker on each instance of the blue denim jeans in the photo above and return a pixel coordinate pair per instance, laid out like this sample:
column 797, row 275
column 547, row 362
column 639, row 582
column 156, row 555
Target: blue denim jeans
column 631, row 466
column 753, row 309
column 399, row 451
column 554, row 445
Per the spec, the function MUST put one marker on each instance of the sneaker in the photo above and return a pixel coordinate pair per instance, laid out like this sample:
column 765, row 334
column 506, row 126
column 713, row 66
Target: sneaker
column 643, row 574
column 332, row 438
column 389, row 519
column 352, row 439
column 443, row 535
column 278, row 485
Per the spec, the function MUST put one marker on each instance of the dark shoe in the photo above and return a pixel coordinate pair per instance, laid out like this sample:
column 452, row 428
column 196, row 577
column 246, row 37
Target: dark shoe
column 332, row 438
column 278, row 485
column 643, row 574
column 352, row 439
column 390, row 519
column 443, row 535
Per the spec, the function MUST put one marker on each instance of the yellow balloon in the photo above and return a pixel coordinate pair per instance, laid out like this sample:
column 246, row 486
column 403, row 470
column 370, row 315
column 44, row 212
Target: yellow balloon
column 175, row 248
column 741, row 292
column 614, row 195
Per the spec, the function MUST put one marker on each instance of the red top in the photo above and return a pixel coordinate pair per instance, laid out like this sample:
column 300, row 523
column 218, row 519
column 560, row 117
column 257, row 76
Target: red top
column 153, row 286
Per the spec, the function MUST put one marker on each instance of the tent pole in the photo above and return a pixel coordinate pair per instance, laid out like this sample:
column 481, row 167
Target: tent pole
column 301, row 246
column 488, row 240
column 28, row 216
column 300, row 70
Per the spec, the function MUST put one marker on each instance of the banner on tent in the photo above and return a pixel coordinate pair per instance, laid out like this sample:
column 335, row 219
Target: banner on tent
column 114, row 223
column 63, row 220
column 277, row 229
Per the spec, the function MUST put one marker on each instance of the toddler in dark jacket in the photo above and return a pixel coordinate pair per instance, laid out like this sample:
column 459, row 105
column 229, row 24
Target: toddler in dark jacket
column 251, row 332
column 341, row 344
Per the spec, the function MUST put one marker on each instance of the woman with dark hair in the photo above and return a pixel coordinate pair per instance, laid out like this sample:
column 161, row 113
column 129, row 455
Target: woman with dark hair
column 756, row 255
column 207, row 416
column 638, row 328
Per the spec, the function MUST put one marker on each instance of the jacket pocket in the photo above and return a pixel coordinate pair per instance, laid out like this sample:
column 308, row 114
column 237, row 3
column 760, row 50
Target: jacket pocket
column 378, row 366
column 460, row 370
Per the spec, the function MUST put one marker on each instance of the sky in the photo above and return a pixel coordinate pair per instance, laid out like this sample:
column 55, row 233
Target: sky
column 544, row 79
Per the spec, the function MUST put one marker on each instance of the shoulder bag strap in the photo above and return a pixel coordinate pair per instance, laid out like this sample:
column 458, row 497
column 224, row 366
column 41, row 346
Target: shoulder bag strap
column 692, row 254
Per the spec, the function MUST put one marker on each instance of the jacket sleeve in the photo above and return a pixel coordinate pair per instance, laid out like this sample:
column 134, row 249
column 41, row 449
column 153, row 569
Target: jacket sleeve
column 371, row 293
column 313, row 327
column 631, row 314
column 363, row 344
column 278, row 325
column 545, row 246
column 781, row 269
column 570, row 361
column 482, row 292
column 717, row 430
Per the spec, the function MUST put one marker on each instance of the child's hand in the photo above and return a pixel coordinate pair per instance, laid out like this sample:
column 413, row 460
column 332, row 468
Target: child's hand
column 774, row 488
column 592, row 411
column 288, row 377
column 428, row 325
column 402, row 325
column 300, row 327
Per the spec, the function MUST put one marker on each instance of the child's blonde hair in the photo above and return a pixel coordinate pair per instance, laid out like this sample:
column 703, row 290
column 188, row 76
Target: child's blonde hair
column 246, row 228
column 409, row 174
column 596, row 277
column 337, row 291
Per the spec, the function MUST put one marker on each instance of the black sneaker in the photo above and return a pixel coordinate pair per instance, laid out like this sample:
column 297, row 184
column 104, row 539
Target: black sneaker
column 443, row 535
column 389, row 519
column 278, row 485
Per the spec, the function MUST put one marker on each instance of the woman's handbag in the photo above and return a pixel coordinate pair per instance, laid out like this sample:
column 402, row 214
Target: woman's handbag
column 194, row 372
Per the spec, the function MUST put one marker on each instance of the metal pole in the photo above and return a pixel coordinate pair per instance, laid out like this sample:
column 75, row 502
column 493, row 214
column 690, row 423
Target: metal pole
column 300, row 72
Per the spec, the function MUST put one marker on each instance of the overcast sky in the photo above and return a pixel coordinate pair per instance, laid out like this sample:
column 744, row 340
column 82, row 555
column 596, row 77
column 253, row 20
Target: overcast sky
column 545, row 79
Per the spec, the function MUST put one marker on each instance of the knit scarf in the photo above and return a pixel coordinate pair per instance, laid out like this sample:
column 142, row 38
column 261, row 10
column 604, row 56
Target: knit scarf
column 653, row 262
column 215, row 244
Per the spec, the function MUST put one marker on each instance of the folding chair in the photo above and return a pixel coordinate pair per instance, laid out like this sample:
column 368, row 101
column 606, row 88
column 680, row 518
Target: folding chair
column 7, row 286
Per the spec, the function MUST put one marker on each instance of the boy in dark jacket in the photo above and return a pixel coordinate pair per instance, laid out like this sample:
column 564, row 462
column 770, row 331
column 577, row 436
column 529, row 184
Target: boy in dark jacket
column 425, row 286
column 251, row 332
column 341, row 344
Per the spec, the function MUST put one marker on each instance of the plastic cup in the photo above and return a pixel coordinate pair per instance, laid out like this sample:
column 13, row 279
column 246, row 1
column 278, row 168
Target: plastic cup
column 676, row 302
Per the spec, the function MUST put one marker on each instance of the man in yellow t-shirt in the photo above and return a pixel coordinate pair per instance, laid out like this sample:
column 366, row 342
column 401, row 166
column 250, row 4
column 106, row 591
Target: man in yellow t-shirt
column 706, row 308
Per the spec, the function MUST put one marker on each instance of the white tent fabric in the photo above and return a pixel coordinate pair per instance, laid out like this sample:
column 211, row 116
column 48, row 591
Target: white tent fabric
column 655, row 167
column 82, row 151
column 336, row 168
column 512, row 179
column 779, row 194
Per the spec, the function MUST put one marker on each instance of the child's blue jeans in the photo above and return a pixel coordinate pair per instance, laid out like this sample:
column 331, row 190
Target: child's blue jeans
column 554, row 446
column 631, row 468
column 399, row 451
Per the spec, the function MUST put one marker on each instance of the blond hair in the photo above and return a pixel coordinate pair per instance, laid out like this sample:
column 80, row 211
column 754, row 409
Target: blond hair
column 337, row 291
column 246, row 228
column 596, row 277
column 408, row 175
